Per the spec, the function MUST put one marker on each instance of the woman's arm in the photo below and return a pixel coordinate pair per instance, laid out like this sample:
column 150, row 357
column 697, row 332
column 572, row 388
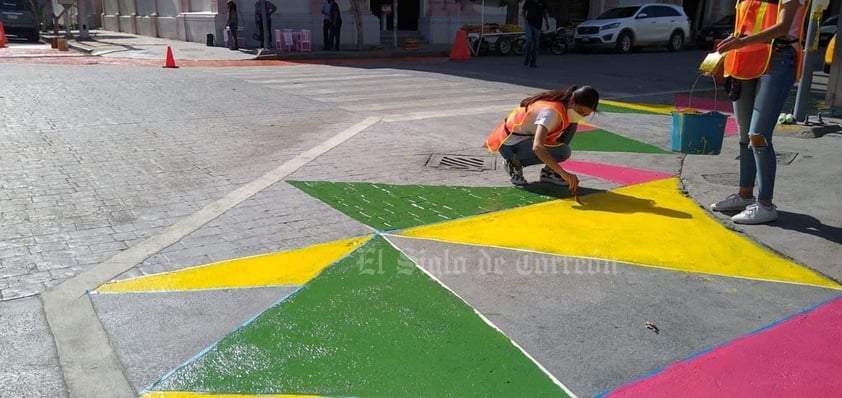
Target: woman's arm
column 787, row 15
column 544, row 155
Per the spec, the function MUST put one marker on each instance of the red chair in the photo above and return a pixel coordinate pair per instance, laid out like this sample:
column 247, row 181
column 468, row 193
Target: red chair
column 304, row 43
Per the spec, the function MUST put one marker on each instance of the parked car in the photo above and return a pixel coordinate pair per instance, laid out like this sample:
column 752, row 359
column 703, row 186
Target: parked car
column 828, row 54
column 718, row 30
column 19, row 19
column 628, row 28
column 827, row 29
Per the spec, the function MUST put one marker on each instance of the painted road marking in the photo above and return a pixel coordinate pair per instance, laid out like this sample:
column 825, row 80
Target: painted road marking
column 371, row 325
column 89, row 364
column 287, row 268
column 797, row 357
column 649, row 224
column 600, row 140
column 618, row 174
column 386, row 207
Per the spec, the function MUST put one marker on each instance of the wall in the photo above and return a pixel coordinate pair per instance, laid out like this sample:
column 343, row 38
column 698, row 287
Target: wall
column 192, row 20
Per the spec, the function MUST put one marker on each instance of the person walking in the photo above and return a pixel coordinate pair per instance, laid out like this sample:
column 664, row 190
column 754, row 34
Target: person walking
column 232, row 24
column 539, row 130
column 269, row 9
column 326, row 25
column 535, row 14
column 762, row 61
column 335, row 24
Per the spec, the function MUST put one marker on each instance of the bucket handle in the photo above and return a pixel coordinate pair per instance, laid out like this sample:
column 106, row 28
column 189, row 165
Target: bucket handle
column 693, row 87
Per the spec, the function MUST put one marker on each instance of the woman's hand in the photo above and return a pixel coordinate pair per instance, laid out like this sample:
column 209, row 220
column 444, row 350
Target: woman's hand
column 572, row 181
column 730, row 43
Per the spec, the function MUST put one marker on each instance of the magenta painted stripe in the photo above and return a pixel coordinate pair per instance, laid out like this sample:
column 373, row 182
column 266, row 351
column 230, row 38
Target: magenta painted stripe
column 709, row 104
column 618, row 174
column 584, row 127
column 731, row 126
column 721, row 104
column 798, row 357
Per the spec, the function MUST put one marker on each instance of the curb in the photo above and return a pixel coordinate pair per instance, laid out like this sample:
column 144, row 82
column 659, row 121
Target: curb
column 807, row 131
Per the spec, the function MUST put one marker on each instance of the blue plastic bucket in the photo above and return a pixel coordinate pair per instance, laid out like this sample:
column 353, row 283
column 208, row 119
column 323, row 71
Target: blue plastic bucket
column 698, row 133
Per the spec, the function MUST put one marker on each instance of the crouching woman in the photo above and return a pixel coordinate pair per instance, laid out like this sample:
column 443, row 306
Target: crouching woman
column 539, row 131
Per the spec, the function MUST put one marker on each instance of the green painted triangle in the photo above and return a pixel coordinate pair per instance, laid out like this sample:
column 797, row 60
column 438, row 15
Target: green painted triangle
column 373, row 324
column 605, row 141
column 603, row 107
column 388, row 207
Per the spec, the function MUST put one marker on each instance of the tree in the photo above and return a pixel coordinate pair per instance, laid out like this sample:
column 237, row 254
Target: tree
column 356, row 10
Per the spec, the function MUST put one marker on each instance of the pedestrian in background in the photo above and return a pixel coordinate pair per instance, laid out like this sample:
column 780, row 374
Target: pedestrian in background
column 535, row 15
column 269, row 9
column 335, row 24
column 232, row 23
column 326, row 25
column 763, row 62
column 540, row 130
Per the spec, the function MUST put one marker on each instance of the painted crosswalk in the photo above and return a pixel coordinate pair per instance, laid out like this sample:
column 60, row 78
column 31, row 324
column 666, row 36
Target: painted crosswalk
column 385, row 92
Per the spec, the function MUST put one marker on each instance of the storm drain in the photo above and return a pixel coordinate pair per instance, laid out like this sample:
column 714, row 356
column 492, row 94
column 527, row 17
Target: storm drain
column 460, row 162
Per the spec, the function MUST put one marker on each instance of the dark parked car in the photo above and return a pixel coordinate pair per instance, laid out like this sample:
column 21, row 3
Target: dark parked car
column 19, row 19
column 720, row 29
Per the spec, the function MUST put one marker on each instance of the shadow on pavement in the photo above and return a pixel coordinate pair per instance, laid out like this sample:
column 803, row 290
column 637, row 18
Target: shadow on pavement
column 615, row 202
column 808, row 225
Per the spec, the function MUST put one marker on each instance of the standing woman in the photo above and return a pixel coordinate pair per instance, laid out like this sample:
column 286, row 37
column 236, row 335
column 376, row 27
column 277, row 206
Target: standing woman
column 539, row 131
column 232, row 22
column 763, row 61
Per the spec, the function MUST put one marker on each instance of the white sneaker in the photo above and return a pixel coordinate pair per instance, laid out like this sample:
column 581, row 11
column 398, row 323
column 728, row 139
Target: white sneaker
column 733, row 202
column 551, row 177
column 516, row 173
column 756, row 214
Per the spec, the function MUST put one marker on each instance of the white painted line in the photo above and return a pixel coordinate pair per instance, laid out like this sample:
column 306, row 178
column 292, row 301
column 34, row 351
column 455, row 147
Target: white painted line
column 486, row 320
column 90, row 366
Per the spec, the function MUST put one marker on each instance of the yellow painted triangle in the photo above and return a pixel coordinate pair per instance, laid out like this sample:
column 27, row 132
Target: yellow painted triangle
column 647, row 224
column 656, row 108
column 289, row 268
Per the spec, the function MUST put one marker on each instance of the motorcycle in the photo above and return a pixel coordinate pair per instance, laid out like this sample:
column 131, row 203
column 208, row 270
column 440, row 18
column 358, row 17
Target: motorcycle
column 555, row 42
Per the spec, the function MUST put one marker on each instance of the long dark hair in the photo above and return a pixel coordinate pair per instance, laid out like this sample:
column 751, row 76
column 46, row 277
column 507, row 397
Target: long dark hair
column 584, row 96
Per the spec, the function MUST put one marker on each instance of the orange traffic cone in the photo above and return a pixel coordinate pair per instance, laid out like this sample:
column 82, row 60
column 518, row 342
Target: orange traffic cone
column 170, row 59
column 3, row 39
column 459, row 51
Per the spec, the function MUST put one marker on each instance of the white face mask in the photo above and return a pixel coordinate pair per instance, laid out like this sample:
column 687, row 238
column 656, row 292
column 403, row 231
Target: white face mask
column 573, row 116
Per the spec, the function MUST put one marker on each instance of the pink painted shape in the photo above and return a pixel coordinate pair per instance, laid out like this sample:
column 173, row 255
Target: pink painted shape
column 618, row 174
column 799, row 357
column 731, row 126
column 709, row 104
column 584, row 127
column 721, row 104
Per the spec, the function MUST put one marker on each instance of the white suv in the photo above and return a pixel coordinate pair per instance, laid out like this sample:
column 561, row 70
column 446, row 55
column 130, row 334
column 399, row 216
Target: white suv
column 627, row 28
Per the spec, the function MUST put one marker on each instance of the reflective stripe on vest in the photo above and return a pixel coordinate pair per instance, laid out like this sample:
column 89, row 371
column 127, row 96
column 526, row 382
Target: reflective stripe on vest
column 511, row 124
column 752, row 61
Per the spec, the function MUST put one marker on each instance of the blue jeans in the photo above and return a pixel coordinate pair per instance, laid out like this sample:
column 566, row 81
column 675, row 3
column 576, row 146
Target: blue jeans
column 756, row 111
column 523, row 152
column 530, row 47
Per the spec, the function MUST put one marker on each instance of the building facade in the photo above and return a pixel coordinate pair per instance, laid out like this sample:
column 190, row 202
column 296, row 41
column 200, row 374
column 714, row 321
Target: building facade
column 434, row 21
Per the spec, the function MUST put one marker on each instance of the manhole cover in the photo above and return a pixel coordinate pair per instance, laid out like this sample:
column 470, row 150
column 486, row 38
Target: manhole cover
column 783, row 158
column 461, row 162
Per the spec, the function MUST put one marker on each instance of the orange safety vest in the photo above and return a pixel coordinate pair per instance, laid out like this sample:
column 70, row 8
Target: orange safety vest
column 511, row 124
column 752, row 61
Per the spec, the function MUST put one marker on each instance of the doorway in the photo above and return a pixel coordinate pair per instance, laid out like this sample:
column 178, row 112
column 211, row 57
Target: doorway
column 409, row 11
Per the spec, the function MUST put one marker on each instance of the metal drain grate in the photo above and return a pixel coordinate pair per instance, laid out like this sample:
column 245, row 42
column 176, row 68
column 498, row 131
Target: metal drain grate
column 461, row 162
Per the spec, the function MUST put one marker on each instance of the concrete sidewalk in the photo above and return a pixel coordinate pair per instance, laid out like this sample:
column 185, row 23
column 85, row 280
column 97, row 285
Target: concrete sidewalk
column 125, row 45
